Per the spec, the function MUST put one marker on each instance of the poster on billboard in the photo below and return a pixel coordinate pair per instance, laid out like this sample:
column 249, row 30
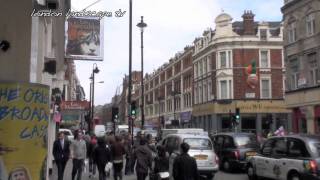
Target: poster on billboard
column 24, row 115
column 84, row 39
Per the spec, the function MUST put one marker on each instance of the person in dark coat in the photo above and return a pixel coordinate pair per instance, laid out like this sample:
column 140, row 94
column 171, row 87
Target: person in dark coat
column 101, row 156
column 161, row 163
column 185, row 166
column 143, row 158
column 118, row 152
column 61, row 153
column 91, row 147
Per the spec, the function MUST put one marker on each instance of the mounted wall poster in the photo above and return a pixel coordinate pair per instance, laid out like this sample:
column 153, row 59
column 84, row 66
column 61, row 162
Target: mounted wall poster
column 84, row 39
column 24, row 116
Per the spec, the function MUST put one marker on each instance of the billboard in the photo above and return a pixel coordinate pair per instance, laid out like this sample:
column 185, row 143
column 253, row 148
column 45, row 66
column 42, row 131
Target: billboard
column 24, row 116
column 84, row 39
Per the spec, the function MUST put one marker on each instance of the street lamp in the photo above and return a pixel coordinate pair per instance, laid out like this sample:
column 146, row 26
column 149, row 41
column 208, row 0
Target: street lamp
column 142, row 25
column 95, row 70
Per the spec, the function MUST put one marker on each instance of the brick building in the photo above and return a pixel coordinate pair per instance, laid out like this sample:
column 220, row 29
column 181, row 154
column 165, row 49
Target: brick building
column 168, row 92
column 302, row 57
column 239, row 65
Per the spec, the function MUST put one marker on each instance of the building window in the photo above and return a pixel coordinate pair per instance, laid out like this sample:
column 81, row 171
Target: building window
column 223, row 90
column 224, row 59
column 196, row 95
column 205, row 66
column 314, row 74
column 265, row 88
column 263, row 34
column 310, row 24
column 209, row 91
column 195, row 70
column 201, row 68
column 205, row 93
column 292, row 32
column 264, row 59
column 200, row 95
column 209, row 63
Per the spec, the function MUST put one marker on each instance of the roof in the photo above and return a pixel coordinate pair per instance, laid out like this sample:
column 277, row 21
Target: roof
column 189, row 136
column 303, row 137
column 274, row 25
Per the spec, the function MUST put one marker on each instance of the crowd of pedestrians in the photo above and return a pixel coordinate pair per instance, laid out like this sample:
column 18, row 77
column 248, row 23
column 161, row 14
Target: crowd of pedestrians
column 141, row 157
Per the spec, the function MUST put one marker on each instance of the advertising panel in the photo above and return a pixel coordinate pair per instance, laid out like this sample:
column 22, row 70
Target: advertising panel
column 84, row 39
column 24, row 115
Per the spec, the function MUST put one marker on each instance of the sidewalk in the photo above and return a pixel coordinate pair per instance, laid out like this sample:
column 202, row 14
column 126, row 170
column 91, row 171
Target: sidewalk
column 85, row 173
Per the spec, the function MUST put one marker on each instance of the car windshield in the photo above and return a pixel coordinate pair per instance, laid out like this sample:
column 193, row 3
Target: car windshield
column 67, row 133
column 199, row 143
column 246, row 141
column 315, row 148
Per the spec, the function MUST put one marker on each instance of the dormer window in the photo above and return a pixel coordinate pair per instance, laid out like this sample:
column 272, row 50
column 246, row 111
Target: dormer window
column 263, row 34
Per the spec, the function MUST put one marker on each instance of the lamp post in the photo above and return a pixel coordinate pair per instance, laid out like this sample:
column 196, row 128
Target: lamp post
column 130, row 120
column 142, row 25
column 95, row 70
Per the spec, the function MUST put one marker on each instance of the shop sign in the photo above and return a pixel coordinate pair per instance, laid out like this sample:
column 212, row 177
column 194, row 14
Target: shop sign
column 250, row 95
column 75, row 105
column 185, row 116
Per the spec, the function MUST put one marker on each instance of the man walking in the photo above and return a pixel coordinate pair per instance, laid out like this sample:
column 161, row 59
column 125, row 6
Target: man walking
column 143, row 159
column 118, row 152
column 101, row 156
column 185, row 166
column 79, row 152
column 61, row 153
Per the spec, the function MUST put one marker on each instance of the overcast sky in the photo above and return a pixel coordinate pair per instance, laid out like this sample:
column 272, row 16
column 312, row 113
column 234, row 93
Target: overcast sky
column 172, row 24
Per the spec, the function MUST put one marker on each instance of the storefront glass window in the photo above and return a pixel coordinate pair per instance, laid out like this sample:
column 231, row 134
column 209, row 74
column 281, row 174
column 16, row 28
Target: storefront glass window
column 226, row 124
column 248, row 124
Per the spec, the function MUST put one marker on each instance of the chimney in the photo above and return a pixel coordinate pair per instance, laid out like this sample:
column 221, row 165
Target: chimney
column 248, row 23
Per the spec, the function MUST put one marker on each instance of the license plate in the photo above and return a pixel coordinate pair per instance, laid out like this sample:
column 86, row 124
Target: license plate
column 251, row 154
column 201, row 157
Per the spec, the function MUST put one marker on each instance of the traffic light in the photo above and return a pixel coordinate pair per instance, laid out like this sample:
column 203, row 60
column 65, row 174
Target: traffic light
column 115, row 113
column 133, row 108
column 237, row 115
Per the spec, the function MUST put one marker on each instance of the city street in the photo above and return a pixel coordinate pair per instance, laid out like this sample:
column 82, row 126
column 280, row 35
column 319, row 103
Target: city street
column 219, row 176
column 85, row 176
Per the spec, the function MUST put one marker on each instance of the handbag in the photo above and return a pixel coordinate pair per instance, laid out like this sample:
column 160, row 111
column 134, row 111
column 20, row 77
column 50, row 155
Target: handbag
column 108, row 168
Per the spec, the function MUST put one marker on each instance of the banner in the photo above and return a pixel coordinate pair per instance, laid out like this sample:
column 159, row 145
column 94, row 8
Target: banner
column 24, row 115
column 84, row 39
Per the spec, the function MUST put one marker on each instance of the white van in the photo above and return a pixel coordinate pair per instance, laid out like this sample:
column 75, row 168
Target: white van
column 99, row 130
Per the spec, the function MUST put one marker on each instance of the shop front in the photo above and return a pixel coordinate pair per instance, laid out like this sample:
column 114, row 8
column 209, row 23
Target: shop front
column 305, row 109
column 255, row 116
column 185, row 119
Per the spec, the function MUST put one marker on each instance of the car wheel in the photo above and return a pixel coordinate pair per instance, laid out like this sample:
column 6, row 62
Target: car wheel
column 294, row 176
column 251, row 173
column 226, row 166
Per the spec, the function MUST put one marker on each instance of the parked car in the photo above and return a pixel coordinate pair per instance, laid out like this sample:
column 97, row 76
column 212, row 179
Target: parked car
column 201, row 148
column 233, row 149
column 68, row 133
column 293, row 157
